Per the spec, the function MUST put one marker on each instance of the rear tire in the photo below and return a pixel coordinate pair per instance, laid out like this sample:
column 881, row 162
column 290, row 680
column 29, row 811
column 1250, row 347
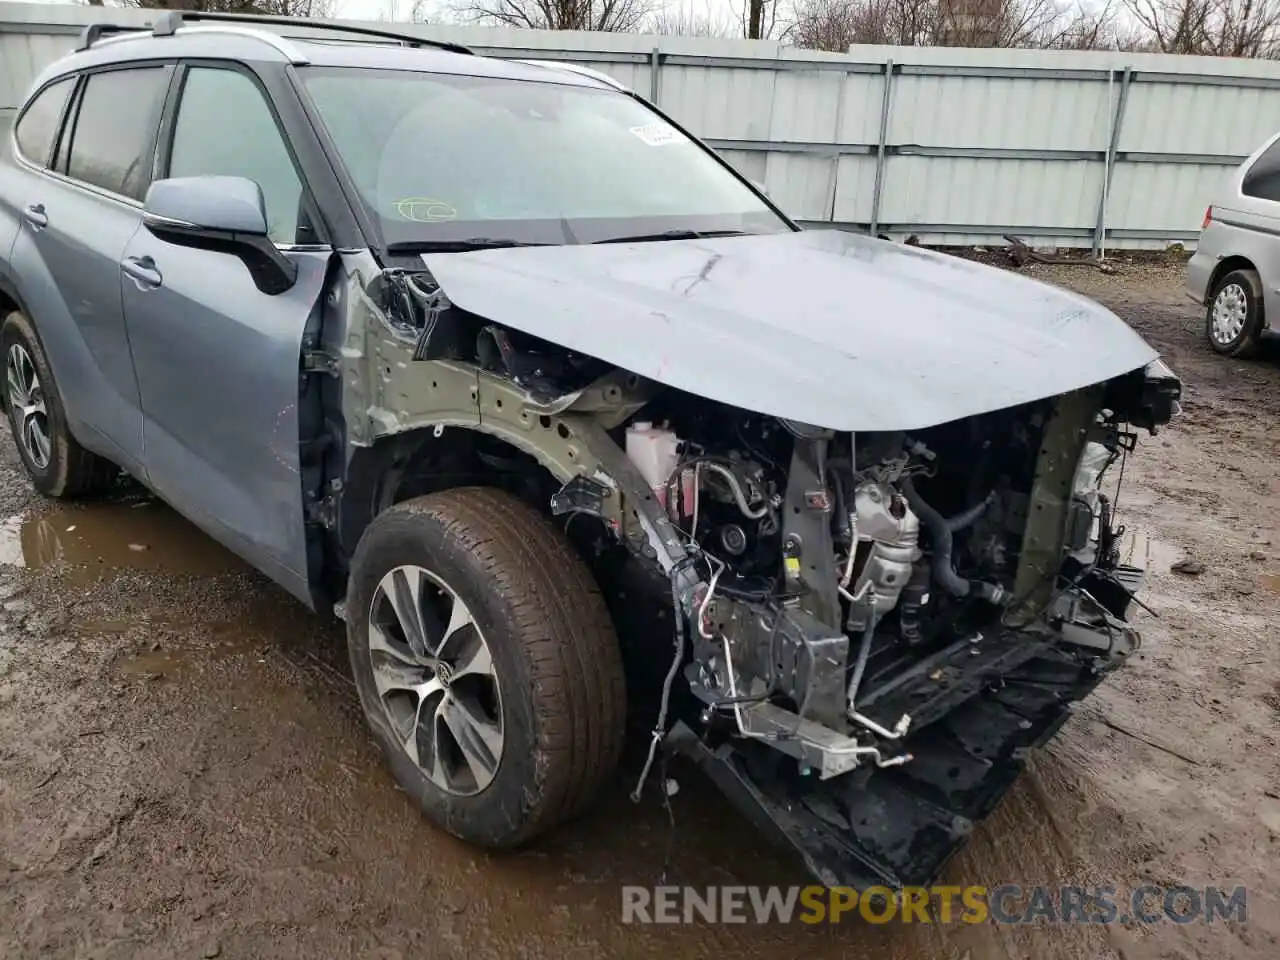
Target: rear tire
column 56, row 463
column 1234, row 319
column 498, row 758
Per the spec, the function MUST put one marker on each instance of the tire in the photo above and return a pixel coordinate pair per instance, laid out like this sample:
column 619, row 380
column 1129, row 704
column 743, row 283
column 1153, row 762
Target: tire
column 56, row 463
column 1235, row 316
column 557, row 668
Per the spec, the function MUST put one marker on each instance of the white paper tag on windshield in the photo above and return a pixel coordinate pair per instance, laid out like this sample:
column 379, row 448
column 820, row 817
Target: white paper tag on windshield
column 658, row 134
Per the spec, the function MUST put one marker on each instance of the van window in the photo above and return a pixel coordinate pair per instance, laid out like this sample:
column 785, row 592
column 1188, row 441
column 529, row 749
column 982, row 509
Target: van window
column 39, row 124
column 119, row 111
column 1262, row 180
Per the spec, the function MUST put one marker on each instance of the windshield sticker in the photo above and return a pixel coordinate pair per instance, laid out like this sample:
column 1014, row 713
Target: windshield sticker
column 425, row 210
column 658, row 134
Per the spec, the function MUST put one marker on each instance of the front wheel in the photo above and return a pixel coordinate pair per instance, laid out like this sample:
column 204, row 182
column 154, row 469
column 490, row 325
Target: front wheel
column 1234, row 319
column 486, row 663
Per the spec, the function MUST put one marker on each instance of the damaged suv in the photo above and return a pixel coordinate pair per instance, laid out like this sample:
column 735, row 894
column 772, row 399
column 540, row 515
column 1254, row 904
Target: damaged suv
column 560, row 413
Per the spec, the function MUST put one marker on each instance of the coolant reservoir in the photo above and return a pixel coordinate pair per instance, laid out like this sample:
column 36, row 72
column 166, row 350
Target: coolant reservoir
column 655, row 452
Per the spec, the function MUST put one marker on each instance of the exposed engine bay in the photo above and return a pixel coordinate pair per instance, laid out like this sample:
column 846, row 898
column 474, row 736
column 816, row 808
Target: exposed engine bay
column 865, row 623
column 836, row 565
column 860, row 589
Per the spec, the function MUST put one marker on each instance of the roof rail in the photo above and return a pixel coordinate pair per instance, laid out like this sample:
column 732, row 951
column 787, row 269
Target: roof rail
column 173, row 20
column 96, row 31
column 580, row 71
column 282, row 45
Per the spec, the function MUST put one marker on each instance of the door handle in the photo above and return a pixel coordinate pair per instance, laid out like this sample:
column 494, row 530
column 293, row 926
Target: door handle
column 143, row 270
column 36, row 216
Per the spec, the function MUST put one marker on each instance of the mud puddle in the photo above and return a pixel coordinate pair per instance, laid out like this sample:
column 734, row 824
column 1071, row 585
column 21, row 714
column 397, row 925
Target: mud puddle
column 152, row 664
column 138, row 534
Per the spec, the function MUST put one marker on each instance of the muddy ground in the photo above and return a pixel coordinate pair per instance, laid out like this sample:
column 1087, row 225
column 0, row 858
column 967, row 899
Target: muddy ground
column 184, row 771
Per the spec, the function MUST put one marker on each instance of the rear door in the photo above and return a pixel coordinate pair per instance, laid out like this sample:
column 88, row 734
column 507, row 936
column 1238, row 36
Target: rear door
column 78, row 208
column 218, row 360
column 33, row 139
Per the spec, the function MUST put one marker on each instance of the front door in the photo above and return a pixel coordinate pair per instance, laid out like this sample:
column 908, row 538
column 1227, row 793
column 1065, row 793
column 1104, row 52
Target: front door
column 217, row 360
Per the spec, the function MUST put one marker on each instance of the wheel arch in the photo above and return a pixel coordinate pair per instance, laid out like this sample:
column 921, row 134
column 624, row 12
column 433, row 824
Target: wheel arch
column 628, row 544
column 448, row 454
column 1225, row 266
column 10, row 301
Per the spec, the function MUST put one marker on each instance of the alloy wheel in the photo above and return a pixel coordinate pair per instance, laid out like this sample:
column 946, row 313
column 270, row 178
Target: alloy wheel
column 26, row 400
column 436, row 680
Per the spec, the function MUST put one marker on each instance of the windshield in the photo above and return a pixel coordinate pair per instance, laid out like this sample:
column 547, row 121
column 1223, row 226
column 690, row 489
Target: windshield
column 440, row 158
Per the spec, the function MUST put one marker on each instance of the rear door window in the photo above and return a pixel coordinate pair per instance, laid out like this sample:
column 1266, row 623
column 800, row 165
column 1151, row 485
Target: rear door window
column 1262, row 180
column 111, row 146
column 38, row 127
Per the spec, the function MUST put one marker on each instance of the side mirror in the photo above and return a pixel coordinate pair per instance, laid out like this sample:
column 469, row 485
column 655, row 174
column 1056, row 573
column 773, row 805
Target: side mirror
column 220, row 214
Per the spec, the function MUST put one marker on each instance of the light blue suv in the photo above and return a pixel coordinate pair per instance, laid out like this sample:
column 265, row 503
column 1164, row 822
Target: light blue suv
column 562, row 415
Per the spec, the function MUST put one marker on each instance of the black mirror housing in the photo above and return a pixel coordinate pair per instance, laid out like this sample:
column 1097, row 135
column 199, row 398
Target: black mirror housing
column 222, row 215
column 272, row 272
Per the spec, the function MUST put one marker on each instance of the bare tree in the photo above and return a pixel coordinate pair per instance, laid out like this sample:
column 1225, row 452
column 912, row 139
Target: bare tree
column 417, row 12
column 836, row 24
column 1221, row 28
column 831, row 24
column 609, row 16
column 1086, row 28
column 995, row 23
column 273, row 8
column 684, row 22
column 761, row 19
column 1175, row 26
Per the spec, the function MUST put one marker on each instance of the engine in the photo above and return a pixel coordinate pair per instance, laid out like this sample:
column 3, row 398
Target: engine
column 730, row 502
column 726, row 500
column 836, row 566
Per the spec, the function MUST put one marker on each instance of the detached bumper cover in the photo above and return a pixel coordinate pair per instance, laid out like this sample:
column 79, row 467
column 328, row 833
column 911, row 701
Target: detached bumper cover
column 898, row 827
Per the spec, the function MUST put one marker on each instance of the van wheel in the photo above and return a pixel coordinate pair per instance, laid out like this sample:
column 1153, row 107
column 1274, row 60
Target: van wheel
column 1234, row 320
column 486, row 663
column 55, row 461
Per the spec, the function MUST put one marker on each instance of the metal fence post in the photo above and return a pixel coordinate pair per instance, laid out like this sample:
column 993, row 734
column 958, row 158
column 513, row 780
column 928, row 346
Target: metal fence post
column 1113, row 142
column 886, row 104
column 655, row 75
column 833, row 183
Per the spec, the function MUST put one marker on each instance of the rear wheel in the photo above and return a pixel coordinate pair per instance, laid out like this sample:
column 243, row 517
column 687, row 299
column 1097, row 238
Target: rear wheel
column 486, row 663
column 55, row 461
column 1234, row 319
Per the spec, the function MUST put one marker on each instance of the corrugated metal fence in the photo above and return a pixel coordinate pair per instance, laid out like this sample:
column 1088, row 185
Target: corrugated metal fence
column 956, row 146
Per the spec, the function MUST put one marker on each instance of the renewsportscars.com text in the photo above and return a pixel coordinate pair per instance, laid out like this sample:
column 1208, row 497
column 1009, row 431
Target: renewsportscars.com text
column 1006, row 904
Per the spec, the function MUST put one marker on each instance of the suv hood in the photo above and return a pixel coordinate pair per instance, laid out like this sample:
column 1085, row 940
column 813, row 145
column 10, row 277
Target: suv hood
column 829, row 328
